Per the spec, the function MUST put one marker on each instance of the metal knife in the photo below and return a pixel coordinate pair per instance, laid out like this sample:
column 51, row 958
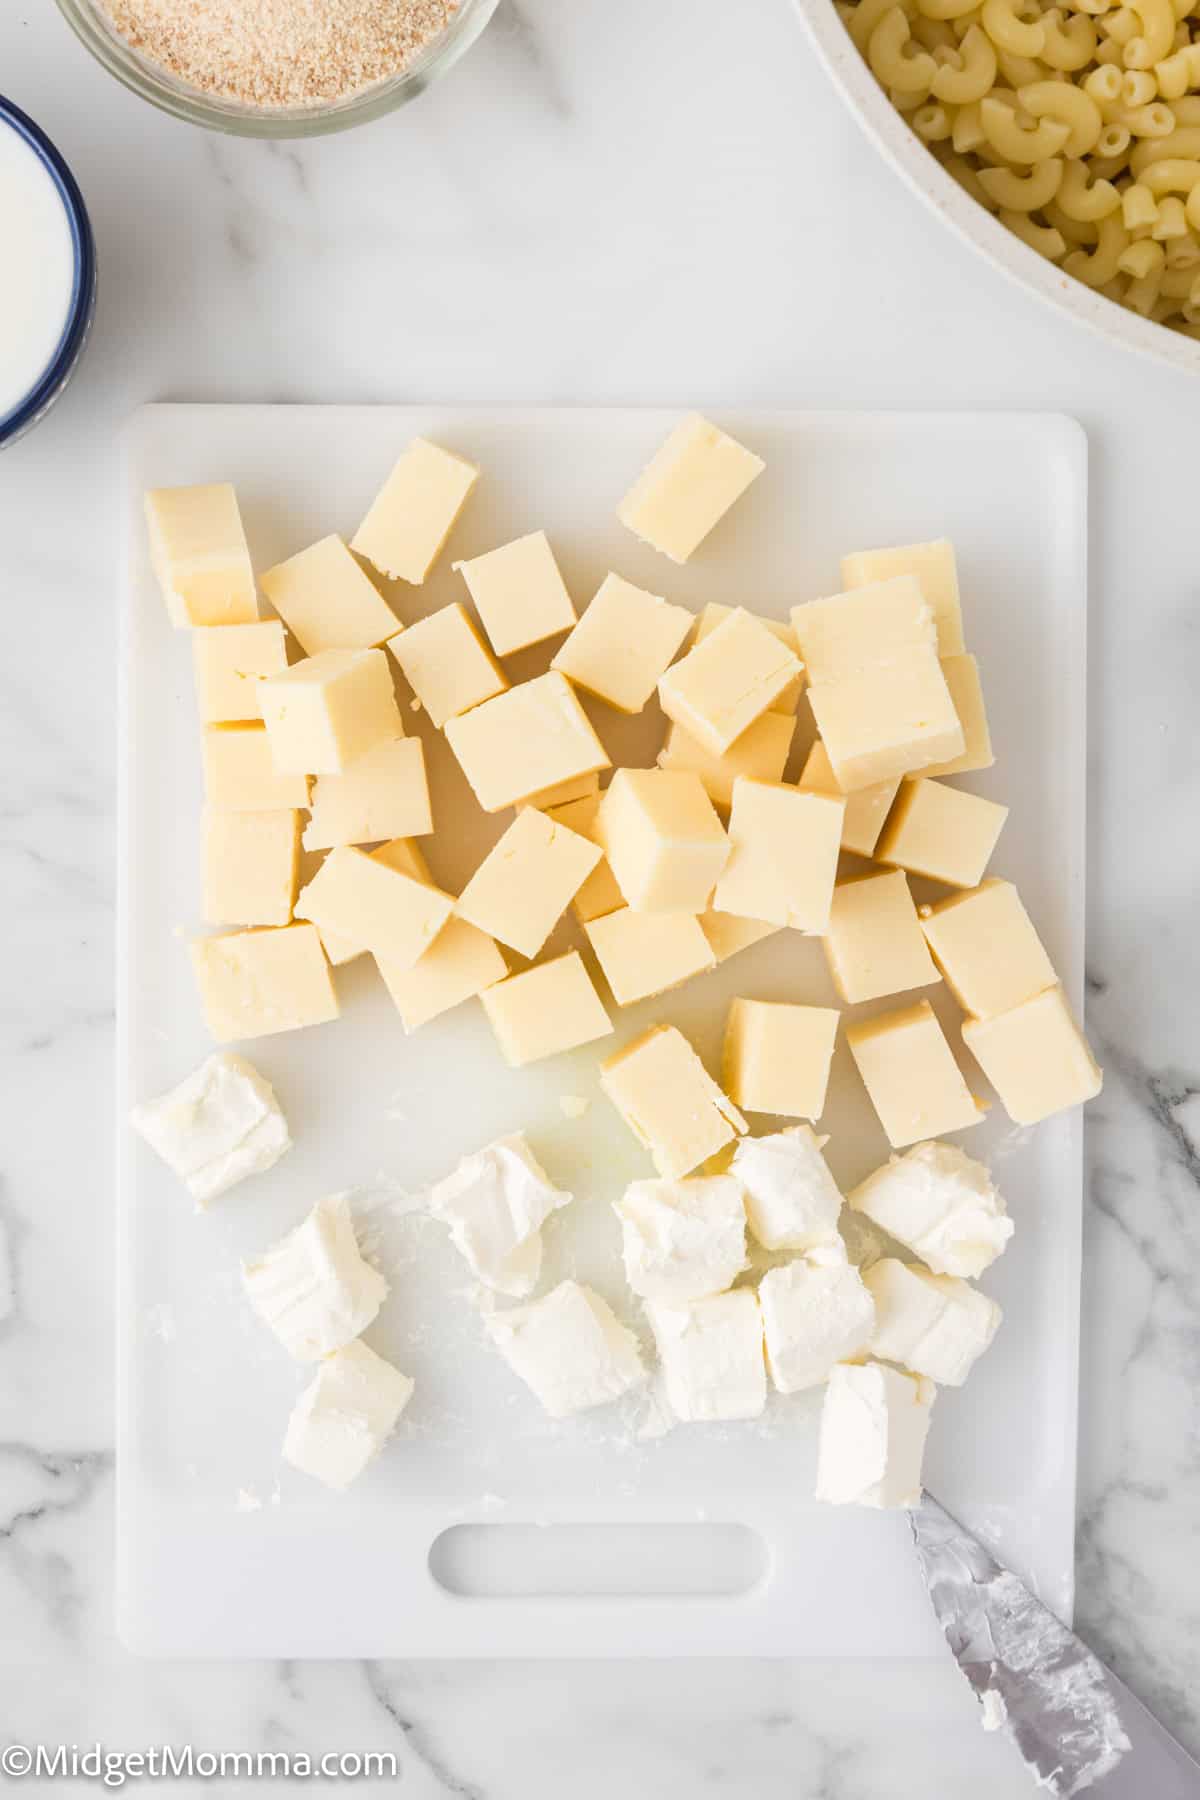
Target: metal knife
column 1076, row 1726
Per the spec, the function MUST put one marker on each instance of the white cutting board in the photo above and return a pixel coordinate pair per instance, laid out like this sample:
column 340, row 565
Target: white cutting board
column 580, row 1538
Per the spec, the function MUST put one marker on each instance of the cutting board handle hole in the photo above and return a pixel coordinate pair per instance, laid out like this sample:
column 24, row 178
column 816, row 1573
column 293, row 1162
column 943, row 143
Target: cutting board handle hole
column 582, row 1561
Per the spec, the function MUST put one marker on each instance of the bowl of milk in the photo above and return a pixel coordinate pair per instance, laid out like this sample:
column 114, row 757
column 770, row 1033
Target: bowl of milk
column 48, row 290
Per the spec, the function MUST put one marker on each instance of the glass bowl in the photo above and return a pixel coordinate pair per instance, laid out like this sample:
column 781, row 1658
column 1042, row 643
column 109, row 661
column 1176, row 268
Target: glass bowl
column 161, row 89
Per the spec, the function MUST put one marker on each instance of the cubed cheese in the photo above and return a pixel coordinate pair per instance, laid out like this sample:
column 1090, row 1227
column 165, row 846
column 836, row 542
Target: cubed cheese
column 988, row 949
column 327, row 601
column 934, row 568
column 777, row 1056
column 792, row 1201
column 324, row 712
column 816, row 1313
column 525, row 883
column 940, row 1204
column 398, row 853
column 894, row 718
column 966, row 691
column 227, row 661
column 519, row 593
column 599, row 893
column 384, row 794
column 691, row 481
column 847, row 635
column 669, row 1100
column 662, row 838
column 715, row 614
column 358, row 898
column 874, row 1423
column 345, row 1416
column 711, row 1352
column 446, row 664
column 941, row 832
column 411, row 517
column 460, row 963
column 760, row 753
column 727, row 681
column 253, row 983
column 532, row 737
column 1036, row 1057
column 580, row 787
column 783, row 855
column 934, row 1325
column 727, row 934
column 875, row 945
column 866, row 809
column 251, row 863
column 219, row 1126
column 644, row 953
column 495, row 1204
column 545, row 1010
column 683, row 1238
column 314, row 1288
column 198, row 552
column 623, row 643
column 240, row 773
column 569, row 1348
column 908, row 1069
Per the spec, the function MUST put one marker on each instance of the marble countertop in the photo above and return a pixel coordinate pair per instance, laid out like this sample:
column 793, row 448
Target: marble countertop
column 603, row 204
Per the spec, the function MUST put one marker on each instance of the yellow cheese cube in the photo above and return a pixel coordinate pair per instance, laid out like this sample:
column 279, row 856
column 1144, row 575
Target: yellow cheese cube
column 545, row 1010
column 891, row 720
column 691, row 481
column 761, row 753
column 644, row 953
column 240, row 773
column 357, row 898
column 446, row 664
column 934, row 567
column 198, row 552
column 623, row 643
column 459, row 964
column 580, row 787
column 941, row 832
column 726, row 682
column 966, row 691
column 251, row 861
column 669, row 1101
column 874, row 945
column 227, row 661
column 783, row 855
column 532, row 737
column 776, row 1057
column 399, row 853
column 843, row 636
column 519, row 593
column 715, row 614
column 727, row 934
column 253, row 983
column 663, row 840
column 1036, row 1057
column 383, row 794
column 327, row 601
column 414, row 511
column 987, row 947
column 525, row 883
column 866, row 810
column 324, row 712
column 908, row 1069
column 599, row 893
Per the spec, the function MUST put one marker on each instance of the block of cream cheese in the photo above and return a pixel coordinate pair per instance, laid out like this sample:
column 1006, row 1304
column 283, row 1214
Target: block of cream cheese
column 345, row 1416
column 761, row 753
column 599, row 893
column 459, row 964
column 908, row 1069
column 683, row 1238
column 934, row 1325
column 866, row 809
column 569, row 1348
column 545, row 1010
column 644, row 953
column 532, row 737
column 988, row 949
column 849, row 634
column 690, row 483
column 314, row 1288
column 240, row 773
column 669, row 1100
column 397, row 853
column 783, row 855
column 446, row 664
column 1036, row 1057
column 874, row 1423
column 792, row 1201
column 893, row 719
column 218, row 1126
column 324, row 712
column 715, row 614
column 816, row 1312
column 727, row 934
column 519, row 593
column 382, row 795
column 728, row 680
column 711, row 1351
column 198, row 552
column 934, row 568
column 254, row 983
column 776, row 1056
column 662, row 838
column 966, row 691
column 495, row 1204
column 525, row 883
column 361, row 899
column 227, row 661
column 941, row 1205
column 251, row 863
column 941, row 832
column 622, row 644
column 327, row 601
column 412, row 515
column 875, row 945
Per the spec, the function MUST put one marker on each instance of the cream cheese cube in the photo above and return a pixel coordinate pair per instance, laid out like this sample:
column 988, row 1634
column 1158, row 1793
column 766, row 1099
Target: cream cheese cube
column 531, row 738
column 1036, row 1057
column 760, row 753
column 459, row 964
column 792, row 1201
column 688, row 485
column 908, row 1069
column 783, row 855
column 711, row 1351
column 966, row 691
column 866, row 809
column 446, row 664
column 622, row 644
column 847, row 635
column 519, row 593
column 988, row 949
column 254, row 983
column 714, row 614
column 777, row 1055
column 875, row 945
column 545, row 1010
column 643, row 953
column 662, row 838
column 382, row 795
column 874, row 1424
column 669, row 1100
column 218, row 1126
column 941, row 1205
column 816, row 1313
column 198, row 552
column 345, row 1416
column 358, row 898
column 324, row 712
column 934, row 1325
column 526, row 881
column 327, row 601
column 893, row 719
column 240, row 773
column 569, row 1348
column 313, row 1288
column 941, row 832
column 411, row 517
column 495, row 1204
column 251, row 865
column 727, row 681
column 682, row 1239
column 227, row 661
column 934, row 568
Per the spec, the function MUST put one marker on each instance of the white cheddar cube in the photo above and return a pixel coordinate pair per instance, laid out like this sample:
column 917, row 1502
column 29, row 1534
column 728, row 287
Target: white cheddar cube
column 662, row 838
column 562, row 793
column 198, row 552
column 727, row 934
column 345, row 1416
column 933, row 567
column 941, row 832
column 240, row 773
column 760, row 753
column 817, row 1312
column 446, row 664
column 363, row 900
column 688, row 485
column 251, row 864
column 792, row 1201
column 875, row 945
column 218, row 1126
column 412, row 515
column 966, row 691
column 1036, row 1058
column 459, row 964
column 327, row 601
column 712, row 1357
column 227, row 661
column 625, row 640
column 545, row 1010
column 495, row 1204
column 382, row 795
column 398, row 853
column 909, row 1071
column 846, row 635
column 569, row 1348
column 783, row 855
column 940, row 1204
column 727, row 681
column 525, row 883
column 874, row 1424
column 777, row 1055
column 988, row 949
column 254, row 983
column 682, row 1239
column 533, row 737
column 644, row 953
column 599, row 893
column 669, row 1100
column 894, row 719
column 314, row 1288
column 715, row 614
column 866, row 809
column 323, row 713
column 519, row 594
column 934, row 1325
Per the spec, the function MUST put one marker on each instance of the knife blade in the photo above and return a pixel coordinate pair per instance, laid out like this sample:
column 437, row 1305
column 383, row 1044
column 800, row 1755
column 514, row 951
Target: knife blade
column 1075, row 1724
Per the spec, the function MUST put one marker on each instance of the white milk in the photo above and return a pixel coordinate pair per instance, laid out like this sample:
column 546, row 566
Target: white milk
column 39, row 268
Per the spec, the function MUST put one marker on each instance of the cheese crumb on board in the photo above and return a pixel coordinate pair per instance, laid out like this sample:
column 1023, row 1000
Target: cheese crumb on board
column 313, row 1288
column 569, row 1348
column 776, row 1056
column 874, row 1424
column 254, row 983
column 623, row 642
column 817, row 1313
column 792, row 1200
column 643, row 953
column 251, row 865
column 459, row 964
column 533, row 737
column 327, row 601
column 198, row 552
column 414, row 512
column 875, row 945
column 934, row 568
column 227, row 661
column 711, row 1352
column 690, row 483
column 446, row 664
column 940, row 1204
column 783, row 855
column 519, row 593
column 662, row 838
column 322, row 713
column 670, row 1101
column 761, row 752
column 240, row 773
column 682, row 1239
column 218, row 1126
column 361, row 899
column 866, row 809
column 934, row 1325
column 345, row 1416
column 545, row 1010
column 382, row 795
column 1036, row 1058
column 941, row 832
column 988, row 949
column 909, row 1071
column 727, row 681
column 495, row 1204
column 526, row 881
